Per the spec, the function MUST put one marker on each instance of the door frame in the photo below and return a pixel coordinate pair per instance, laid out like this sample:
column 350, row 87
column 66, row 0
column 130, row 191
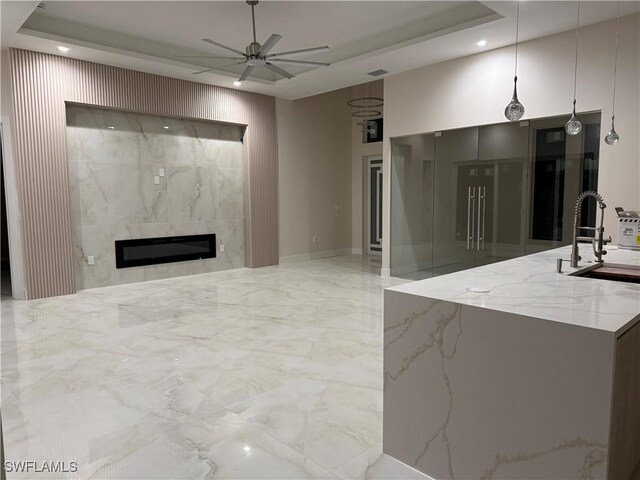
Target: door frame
column 366, row 221
column 14, row 217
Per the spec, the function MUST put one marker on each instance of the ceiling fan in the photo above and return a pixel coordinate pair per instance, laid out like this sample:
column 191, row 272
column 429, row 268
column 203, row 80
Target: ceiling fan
column 257, row 55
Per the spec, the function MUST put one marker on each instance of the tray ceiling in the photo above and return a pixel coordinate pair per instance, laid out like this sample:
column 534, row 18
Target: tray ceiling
column 363, row 35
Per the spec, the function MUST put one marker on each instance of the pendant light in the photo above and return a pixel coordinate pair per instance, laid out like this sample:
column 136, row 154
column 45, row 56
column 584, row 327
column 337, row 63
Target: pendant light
column 613, row 137
column 368, row 110
column 515, row 110
column 573, row 126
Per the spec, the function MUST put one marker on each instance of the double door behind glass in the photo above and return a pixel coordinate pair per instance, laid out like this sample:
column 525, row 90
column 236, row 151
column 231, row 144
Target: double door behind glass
column 479, row 196
column 468, row 197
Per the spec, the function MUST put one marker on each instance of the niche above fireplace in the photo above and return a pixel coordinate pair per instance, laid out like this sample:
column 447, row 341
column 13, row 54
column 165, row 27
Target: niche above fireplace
column 151, row 251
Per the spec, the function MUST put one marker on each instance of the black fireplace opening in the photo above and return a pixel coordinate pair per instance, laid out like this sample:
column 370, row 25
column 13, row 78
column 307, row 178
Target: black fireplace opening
column 151, row 251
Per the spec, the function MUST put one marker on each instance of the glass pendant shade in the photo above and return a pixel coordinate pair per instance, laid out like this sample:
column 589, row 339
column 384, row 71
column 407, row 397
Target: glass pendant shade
column 612, row 137
column 573, row 126
column 515, row 110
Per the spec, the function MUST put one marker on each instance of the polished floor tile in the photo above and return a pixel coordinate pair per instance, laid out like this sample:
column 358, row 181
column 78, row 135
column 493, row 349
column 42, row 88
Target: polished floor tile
column 244, row 374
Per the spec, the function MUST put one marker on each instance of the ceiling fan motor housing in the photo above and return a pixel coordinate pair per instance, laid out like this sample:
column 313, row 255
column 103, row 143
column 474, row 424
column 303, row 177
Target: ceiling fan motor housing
column 253, row 49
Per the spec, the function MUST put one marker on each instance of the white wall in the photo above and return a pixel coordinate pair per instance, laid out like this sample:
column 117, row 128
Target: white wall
column 314, row 176
column 320, row 162
column 474, row 91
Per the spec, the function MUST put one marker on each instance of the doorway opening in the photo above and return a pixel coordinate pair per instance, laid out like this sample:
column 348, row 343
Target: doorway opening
column 4, row 243
column 373, row 210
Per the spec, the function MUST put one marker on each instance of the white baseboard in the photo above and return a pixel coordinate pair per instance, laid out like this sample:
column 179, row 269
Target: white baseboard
column 356, row 251
column 385, row 272
column 315, row 255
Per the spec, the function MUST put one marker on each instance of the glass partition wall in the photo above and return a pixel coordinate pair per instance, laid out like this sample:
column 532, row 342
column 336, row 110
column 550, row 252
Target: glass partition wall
column 412, row 200
column 473, row 196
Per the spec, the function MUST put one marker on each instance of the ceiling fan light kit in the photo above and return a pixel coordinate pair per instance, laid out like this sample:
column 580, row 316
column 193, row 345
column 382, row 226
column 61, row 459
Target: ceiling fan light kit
column 257, row 55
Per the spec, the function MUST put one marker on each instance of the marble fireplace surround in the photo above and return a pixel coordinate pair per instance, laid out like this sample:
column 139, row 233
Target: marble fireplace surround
column 113, row 159
column 42, row 85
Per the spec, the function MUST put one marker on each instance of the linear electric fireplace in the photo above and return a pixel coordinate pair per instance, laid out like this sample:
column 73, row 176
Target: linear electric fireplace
column 151, row 251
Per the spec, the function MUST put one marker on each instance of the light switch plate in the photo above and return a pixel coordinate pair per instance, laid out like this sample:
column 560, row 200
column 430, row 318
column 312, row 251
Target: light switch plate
column 156, row 180
column 91, row 260
column 162, row 172
column 221, row 247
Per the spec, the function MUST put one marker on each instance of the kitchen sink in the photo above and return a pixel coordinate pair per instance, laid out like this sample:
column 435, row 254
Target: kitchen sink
column 611, row 271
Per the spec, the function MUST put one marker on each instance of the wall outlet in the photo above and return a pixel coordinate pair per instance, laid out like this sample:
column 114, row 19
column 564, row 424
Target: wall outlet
column 314, row 239
column 91, row 260
column 161, row 172
column 156, row 180
column 221, row 247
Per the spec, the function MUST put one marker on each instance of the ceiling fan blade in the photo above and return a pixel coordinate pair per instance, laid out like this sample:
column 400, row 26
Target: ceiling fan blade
column 279, row 70
column 268, row 45
column 295, row 52
column 298, row 62
column 219, row 67
column 205, row 71
column 209, row 56
column 221, row 45
column 246, row 73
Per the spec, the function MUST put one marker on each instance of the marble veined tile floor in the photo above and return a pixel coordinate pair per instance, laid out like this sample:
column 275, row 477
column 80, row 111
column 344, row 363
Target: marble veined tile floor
column 272, row 373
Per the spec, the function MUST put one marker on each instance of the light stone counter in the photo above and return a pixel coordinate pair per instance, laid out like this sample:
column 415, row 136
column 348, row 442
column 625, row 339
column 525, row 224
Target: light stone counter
column 537, row 378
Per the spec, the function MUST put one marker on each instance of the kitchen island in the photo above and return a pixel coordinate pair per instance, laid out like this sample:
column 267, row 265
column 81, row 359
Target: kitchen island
column 514, row 371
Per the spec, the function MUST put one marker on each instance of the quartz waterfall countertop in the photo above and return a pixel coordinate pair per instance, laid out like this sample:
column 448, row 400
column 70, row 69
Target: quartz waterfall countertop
column 530, row 286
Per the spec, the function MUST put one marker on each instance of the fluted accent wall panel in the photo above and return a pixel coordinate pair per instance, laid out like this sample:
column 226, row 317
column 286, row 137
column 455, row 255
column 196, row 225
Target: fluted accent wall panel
column 42, row 83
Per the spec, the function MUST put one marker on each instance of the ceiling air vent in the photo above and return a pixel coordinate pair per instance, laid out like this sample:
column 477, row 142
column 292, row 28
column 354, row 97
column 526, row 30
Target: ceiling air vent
column 377, row 73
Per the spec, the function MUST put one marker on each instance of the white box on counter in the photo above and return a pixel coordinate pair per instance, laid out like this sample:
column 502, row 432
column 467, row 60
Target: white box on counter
column 629, row 233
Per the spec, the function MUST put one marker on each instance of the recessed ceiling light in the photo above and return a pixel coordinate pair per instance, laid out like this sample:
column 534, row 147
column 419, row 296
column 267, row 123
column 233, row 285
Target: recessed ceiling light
column 165, row 126
column 110, row 127
column 237, row 83
column 481, row 43
column 63, row 49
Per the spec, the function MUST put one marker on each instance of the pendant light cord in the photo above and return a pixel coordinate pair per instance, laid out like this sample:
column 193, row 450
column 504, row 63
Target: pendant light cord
column 615, row 64
column 575, row 72
column 515, row 69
